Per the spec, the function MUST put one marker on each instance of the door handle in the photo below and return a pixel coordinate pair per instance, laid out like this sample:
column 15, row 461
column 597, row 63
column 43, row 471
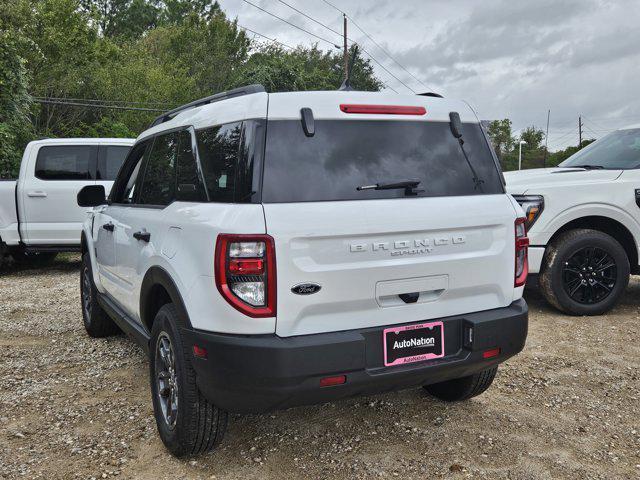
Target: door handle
column 142, row 236
column 109, row 226
column 37, row 194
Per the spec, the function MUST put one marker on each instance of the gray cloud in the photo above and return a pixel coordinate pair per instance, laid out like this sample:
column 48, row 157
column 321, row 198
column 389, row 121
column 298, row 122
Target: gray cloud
column 508, row 58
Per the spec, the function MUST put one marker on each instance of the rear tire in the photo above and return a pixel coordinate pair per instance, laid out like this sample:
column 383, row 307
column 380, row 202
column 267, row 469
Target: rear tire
column 188, row 424
column 460, row 389
column 96, row 321
column 572, row 279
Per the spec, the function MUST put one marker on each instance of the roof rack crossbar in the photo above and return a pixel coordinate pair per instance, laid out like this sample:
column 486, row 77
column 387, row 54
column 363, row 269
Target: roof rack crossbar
column 236, row 92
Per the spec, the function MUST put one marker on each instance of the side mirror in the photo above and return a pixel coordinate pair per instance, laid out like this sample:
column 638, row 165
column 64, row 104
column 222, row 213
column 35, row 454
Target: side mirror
column 456, row 124
column 92, row 196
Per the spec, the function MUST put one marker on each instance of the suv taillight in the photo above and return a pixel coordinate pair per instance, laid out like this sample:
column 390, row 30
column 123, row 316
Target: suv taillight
column 245, row 270
column 522, row 247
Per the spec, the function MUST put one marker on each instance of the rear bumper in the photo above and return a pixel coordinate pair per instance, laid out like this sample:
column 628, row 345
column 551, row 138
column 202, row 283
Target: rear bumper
column 246, row 374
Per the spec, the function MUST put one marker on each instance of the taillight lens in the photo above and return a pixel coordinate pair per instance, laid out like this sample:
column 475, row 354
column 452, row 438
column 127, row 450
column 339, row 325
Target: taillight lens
column 522, row 248
column 245, row 271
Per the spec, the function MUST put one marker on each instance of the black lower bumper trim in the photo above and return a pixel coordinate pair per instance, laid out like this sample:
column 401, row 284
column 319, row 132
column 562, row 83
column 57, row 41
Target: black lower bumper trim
column 258, row 373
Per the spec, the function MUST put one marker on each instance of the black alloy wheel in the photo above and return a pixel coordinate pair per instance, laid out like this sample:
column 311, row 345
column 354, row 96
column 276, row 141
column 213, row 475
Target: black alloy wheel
column 589, row 275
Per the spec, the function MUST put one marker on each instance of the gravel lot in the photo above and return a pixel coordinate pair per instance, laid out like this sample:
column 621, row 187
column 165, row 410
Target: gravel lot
column 72, row 407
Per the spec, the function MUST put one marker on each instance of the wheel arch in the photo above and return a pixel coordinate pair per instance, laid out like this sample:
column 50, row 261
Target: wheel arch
column 609, row 226
column 158, row 289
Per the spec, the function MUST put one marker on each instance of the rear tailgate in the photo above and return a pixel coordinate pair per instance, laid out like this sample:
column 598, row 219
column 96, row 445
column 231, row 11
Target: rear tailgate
column 449, row 241
column 459, row 259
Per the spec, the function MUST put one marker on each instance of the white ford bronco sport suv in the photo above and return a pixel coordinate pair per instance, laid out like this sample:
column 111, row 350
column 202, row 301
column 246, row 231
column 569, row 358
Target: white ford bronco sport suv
column 273, row 250
column 583, row 219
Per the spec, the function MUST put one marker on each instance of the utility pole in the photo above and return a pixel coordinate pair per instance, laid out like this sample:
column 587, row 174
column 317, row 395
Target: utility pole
column 346, row 48
column 546, row 141
column 579, row 132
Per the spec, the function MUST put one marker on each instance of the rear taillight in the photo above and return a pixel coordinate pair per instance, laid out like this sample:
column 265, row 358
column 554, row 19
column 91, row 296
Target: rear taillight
column 245, row 270
column 522, row 247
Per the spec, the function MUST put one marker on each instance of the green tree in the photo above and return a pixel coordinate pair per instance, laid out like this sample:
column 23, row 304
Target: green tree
column 15, row 102
column 533, row 137
column 499, row 132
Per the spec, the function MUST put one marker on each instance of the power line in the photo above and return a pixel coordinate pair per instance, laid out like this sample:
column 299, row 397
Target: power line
column 268, row 38
column 378, row 45
column 92, row 100
column 96, row 105
column 291, row 24
column 334, row 31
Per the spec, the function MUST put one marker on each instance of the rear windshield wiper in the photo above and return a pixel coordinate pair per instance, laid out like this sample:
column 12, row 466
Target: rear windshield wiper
column 586, row 167
column 408, row 185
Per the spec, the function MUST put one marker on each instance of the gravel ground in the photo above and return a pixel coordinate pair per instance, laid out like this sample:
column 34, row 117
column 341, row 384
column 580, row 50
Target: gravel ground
column 73, row 407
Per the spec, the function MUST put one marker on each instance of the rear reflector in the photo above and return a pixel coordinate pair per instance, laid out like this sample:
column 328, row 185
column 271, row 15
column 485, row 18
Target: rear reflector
column 383, row 109
column 331, row 381
column 494, row 352
column 246, row 266
column 199, row 352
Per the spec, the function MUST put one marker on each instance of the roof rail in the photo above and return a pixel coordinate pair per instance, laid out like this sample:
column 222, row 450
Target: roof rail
column 236, row 92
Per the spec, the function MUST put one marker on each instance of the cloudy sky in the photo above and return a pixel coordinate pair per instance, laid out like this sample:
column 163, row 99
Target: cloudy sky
column 508, row 58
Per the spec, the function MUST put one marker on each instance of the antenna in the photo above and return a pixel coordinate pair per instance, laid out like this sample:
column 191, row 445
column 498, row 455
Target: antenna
column 346, row 85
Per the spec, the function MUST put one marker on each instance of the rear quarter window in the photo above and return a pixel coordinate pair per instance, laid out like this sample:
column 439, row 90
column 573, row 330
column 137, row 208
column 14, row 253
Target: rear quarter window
column 345, row 154
column 66, row 162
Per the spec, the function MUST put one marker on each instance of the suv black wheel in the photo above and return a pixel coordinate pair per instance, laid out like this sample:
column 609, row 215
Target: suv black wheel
column 584, row 272
column 96, row 321
column 187, row 422
column 464, row 388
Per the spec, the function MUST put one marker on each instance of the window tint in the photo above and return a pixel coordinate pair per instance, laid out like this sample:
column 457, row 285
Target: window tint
column 218, row 148
column 158, row 185
column 110, row 160
column 66, row 162
column 189, row 181
column 343, row 155
column 128, row 181
column 618, row 150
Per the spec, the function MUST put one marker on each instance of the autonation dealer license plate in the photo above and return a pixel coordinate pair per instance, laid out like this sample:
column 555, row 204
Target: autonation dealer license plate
column 413, row 343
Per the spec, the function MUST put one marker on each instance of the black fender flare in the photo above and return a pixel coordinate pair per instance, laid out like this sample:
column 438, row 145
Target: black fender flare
column 159, row 276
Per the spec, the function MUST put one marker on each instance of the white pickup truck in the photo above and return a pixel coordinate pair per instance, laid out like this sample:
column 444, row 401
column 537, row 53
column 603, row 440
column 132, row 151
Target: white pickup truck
column 583, row 221
column 39, row 215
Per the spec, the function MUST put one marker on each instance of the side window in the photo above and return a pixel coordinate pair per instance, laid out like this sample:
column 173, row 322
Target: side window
column 66, row 162
column 218, row 148
column 128, row 180
column 158, row 184
column 110, row 159
column 189, row 179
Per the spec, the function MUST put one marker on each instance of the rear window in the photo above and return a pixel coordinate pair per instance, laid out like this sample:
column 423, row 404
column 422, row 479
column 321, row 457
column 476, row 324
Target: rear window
column 343, row 155
column 66, row 162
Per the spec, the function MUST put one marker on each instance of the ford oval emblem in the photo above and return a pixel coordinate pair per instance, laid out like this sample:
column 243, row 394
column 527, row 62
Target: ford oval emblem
column 305, row 288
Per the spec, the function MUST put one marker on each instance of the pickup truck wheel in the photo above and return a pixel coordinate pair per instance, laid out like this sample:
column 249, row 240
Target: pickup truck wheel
column 187, row 422
column 464, row 388
column 96, row 322
column 584, row 272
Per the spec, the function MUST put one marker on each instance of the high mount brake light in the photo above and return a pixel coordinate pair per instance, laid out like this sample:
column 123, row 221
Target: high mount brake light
column 383, row 109
column 522, row 252
column 245, row 272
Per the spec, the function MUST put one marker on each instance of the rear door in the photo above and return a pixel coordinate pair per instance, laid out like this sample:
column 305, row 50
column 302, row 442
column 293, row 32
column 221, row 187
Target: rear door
column 384, row 257
column 56, row 175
